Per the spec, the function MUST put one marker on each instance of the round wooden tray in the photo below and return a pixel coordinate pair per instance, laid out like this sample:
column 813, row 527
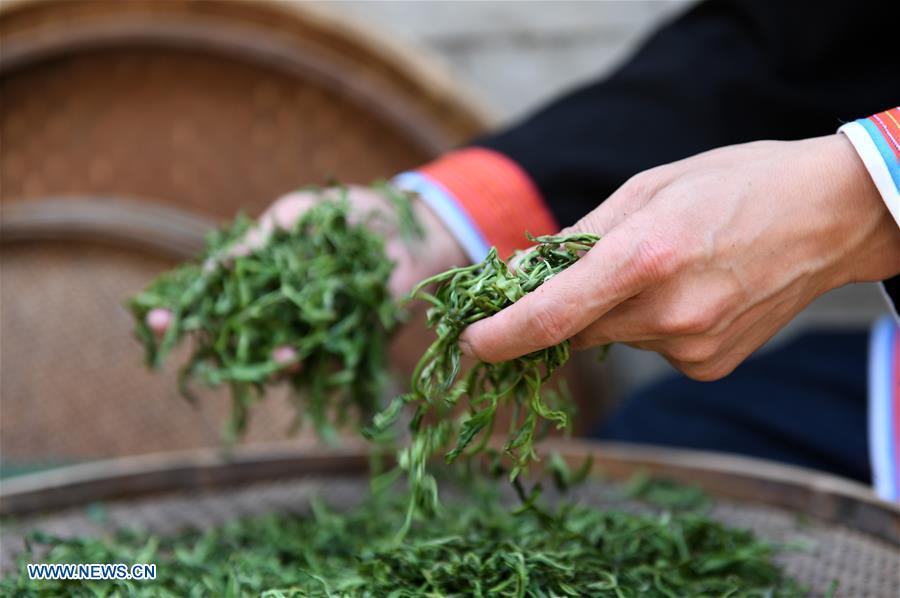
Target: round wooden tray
column 846, row 532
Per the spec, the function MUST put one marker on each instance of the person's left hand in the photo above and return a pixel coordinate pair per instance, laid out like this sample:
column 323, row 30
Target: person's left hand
column 437, row 251
column 703, row 260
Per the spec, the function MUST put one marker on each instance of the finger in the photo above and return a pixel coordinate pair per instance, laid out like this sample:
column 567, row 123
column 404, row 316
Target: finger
column 693, row 307
column 625, row 323
column 286, row 210
column 158, row 320
column 286, row 357
column 616, row 268
column 624, row 202
column 714, row 356
column 702, row 351
column 712, row 370
column 738, row 341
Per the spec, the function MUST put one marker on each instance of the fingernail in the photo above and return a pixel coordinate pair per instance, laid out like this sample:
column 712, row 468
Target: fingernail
column 158, row 320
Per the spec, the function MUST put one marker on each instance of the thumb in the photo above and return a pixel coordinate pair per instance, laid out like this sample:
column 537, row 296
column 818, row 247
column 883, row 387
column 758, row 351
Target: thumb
column 569, row 302
column 607, row 275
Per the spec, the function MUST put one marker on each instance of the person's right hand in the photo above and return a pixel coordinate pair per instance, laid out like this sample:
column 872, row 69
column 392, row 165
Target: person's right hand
column 705, row 259
column 436, row 252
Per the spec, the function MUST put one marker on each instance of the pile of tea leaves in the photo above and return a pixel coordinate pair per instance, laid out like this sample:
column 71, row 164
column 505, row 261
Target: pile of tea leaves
column 478, row 547
column 310, row 306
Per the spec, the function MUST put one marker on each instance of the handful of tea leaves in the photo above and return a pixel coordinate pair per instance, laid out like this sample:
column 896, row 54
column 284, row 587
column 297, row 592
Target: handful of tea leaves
column 464, row 296
column 311, row 306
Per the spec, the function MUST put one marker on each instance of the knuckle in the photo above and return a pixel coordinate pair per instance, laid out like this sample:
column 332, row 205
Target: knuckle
column 285, row 210
column 587, row 339
column 642, row 185
column 290, row 198
column 695, row 372
column 591, row 222
column 726, row 309
column 549, row 324
column 706, row 372
column 703, row 310
column 686, row 321
column 696, row 351
column 717, row 312
column 656, row 259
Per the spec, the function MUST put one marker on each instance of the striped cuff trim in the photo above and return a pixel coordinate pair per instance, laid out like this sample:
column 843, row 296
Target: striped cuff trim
column 448, row 210
column 884, row 408
column 879, row 159
column 884, row 128
column 496, row 194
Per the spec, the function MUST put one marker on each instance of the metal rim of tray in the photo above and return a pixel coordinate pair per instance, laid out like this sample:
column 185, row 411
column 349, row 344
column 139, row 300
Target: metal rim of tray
column 819, row 495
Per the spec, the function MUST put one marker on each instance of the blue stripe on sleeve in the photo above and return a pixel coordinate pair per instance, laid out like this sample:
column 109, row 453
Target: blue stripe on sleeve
column 887, row 154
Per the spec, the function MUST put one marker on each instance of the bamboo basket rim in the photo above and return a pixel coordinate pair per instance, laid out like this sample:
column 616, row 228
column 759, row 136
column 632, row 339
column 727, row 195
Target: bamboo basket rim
column 817, row 494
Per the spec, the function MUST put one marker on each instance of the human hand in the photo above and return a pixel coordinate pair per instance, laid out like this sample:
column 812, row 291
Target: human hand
column 704, row 259
column 436, row 252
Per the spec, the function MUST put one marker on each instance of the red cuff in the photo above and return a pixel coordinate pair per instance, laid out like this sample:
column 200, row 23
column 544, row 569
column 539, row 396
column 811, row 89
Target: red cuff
column 496, row 194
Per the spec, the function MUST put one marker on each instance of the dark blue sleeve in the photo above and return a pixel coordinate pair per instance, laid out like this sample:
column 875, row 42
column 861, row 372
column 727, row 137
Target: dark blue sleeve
column 726, row 72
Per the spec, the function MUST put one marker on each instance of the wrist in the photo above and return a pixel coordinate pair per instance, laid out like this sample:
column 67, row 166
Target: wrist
column 486, row 199
column 444, row 250
column 870, row 237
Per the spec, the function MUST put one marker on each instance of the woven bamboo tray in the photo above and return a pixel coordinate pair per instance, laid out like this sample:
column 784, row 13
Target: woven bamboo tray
column 128, row 129
column 850, row 535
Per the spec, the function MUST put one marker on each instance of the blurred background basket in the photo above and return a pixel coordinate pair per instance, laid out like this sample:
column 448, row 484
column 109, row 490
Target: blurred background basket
column 130, row 128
